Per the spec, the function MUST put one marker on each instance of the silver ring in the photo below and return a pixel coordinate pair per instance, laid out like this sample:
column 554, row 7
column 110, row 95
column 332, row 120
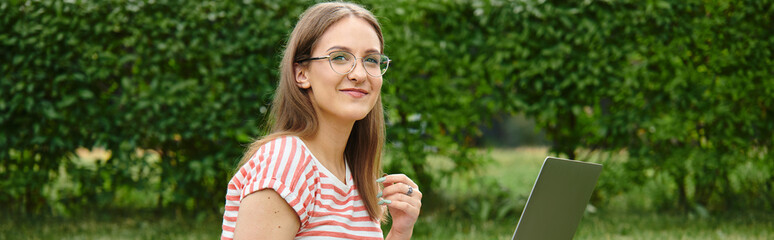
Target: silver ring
column 410, row 191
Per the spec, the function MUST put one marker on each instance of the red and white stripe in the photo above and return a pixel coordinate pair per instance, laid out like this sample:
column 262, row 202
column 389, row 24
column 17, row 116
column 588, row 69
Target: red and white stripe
column 326, row 207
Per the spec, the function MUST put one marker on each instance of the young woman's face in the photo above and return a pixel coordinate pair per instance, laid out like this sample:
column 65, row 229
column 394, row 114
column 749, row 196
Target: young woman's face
column 338, row 97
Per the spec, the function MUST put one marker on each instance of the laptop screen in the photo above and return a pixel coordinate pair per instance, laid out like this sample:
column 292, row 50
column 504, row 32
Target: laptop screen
column 558, row 199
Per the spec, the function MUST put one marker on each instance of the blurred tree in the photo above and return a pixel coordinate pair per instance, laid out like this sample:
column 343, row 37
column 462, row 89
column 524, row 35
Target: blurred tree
column 685, row 87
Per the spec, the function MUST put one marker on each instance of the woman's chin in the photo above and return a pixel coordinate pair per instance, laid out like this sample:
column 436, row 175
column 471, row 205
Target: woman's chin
column 355, row 114
column 358, row 116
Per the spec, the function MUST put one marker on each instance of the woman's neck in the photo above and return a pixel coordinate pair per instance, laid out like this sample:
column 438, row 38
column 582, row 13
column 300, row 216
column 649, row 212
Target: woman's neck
column 328, row 145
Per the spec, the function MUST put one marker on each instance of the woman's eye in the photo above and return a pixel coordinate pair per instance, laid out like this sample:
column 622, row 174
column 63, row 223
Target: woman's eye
column 339, row 58
column 372, row 60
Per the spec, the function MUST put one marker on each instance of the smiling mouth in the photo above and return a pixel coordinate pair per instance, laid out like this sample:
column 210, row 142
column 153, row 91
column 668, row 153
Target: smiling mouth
column 355, row 92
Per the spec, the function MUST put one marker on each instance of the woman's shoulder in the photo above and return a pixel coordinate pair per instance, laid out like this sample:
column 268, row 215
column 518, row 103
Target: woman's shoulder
column 283, row 157
column 274, row 140
column 282, row 150
column 281, row 144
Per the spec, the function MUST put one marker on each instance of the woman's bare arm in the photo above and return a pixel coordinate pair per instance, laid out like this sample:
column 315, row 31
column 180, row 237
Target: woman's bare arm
column 266, row 215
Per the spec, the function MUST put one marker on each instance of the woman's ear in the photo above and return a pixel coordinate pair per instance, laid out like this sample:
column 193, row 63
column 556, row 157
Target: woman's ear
column 302, row 81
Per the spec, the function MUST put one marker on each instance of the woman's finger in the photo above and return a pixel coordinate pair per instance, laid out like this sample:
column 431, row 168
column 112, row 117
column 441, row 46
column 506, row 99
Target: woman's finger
column 404, row 207
column 397, row 178
column 402, row 189
column 394, row 199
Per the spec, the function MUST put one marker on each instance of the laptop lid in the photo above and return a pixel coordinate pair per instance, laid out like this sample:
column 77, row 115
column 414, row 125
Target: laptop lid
column 558, row 199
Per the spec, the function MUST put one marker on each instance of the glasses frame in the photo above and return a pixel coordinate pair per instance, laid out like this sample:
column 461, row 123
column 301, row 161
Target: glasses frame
column 352, row 68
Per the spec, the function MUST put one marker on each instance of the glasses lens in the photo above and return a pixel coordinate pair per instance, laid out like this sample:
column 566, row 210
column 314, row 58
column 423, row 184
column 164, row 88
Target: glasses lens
column 376, row 64
column 372, row 64
column 384, row 63
column 342, row 62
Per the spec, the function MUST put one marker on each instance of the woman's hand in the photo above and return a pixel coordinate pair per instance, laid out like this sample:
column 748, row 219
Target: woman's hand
column 404, row 200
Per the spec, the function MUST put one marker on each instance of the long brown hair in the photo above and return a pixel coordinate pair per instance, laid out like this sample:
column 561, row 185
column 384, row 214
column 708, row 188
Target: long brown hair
column 292, row 112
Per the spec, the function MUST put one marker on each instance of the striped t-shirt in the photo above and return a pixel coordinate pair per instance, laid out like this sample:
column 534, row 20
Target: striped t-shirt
column 326, row 207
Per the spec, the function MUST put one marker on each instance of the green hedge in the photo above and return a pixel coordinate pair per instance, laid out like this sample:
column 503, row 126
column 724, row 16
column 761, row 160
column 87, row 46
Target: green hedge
column 685, row 87
column 186, row 79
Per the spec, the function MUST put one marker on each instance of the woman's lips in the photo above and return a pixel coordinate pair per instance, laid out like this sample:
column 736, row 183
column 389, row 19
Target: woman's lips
column 355, row 92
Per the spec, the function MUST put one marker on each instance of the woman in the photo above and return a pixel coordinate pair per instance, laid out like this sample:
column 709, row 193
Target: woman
column 315, row 175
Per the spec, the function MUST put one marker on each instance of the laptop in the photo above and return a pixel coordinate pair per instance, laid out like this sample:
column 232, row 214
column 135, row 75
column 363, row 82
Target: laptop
column 558, row 199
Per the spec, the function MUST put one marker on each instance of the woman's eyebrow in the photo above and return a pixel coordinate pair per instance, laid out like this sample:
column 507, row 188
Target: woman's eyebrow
column 338, row 47
column 369, row 51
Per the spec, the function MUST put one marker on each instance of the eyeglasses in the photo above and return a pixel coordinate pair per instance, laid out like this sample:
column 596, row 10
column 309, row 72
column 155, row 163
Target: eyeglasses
column 343, row 62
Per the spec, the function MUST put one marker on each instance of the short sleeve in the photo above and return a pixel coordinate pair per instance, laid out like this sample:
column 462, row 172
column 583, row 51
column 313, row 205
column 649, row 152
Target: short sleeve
column 283, row 165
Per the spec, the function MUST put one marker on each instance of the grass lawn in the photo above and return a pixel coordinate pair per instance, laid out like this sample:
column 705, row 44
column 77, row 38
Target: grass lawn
column 110, row 226
column 518, row 168
column 599, row 226
column 515, row 169
column 614, row 226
